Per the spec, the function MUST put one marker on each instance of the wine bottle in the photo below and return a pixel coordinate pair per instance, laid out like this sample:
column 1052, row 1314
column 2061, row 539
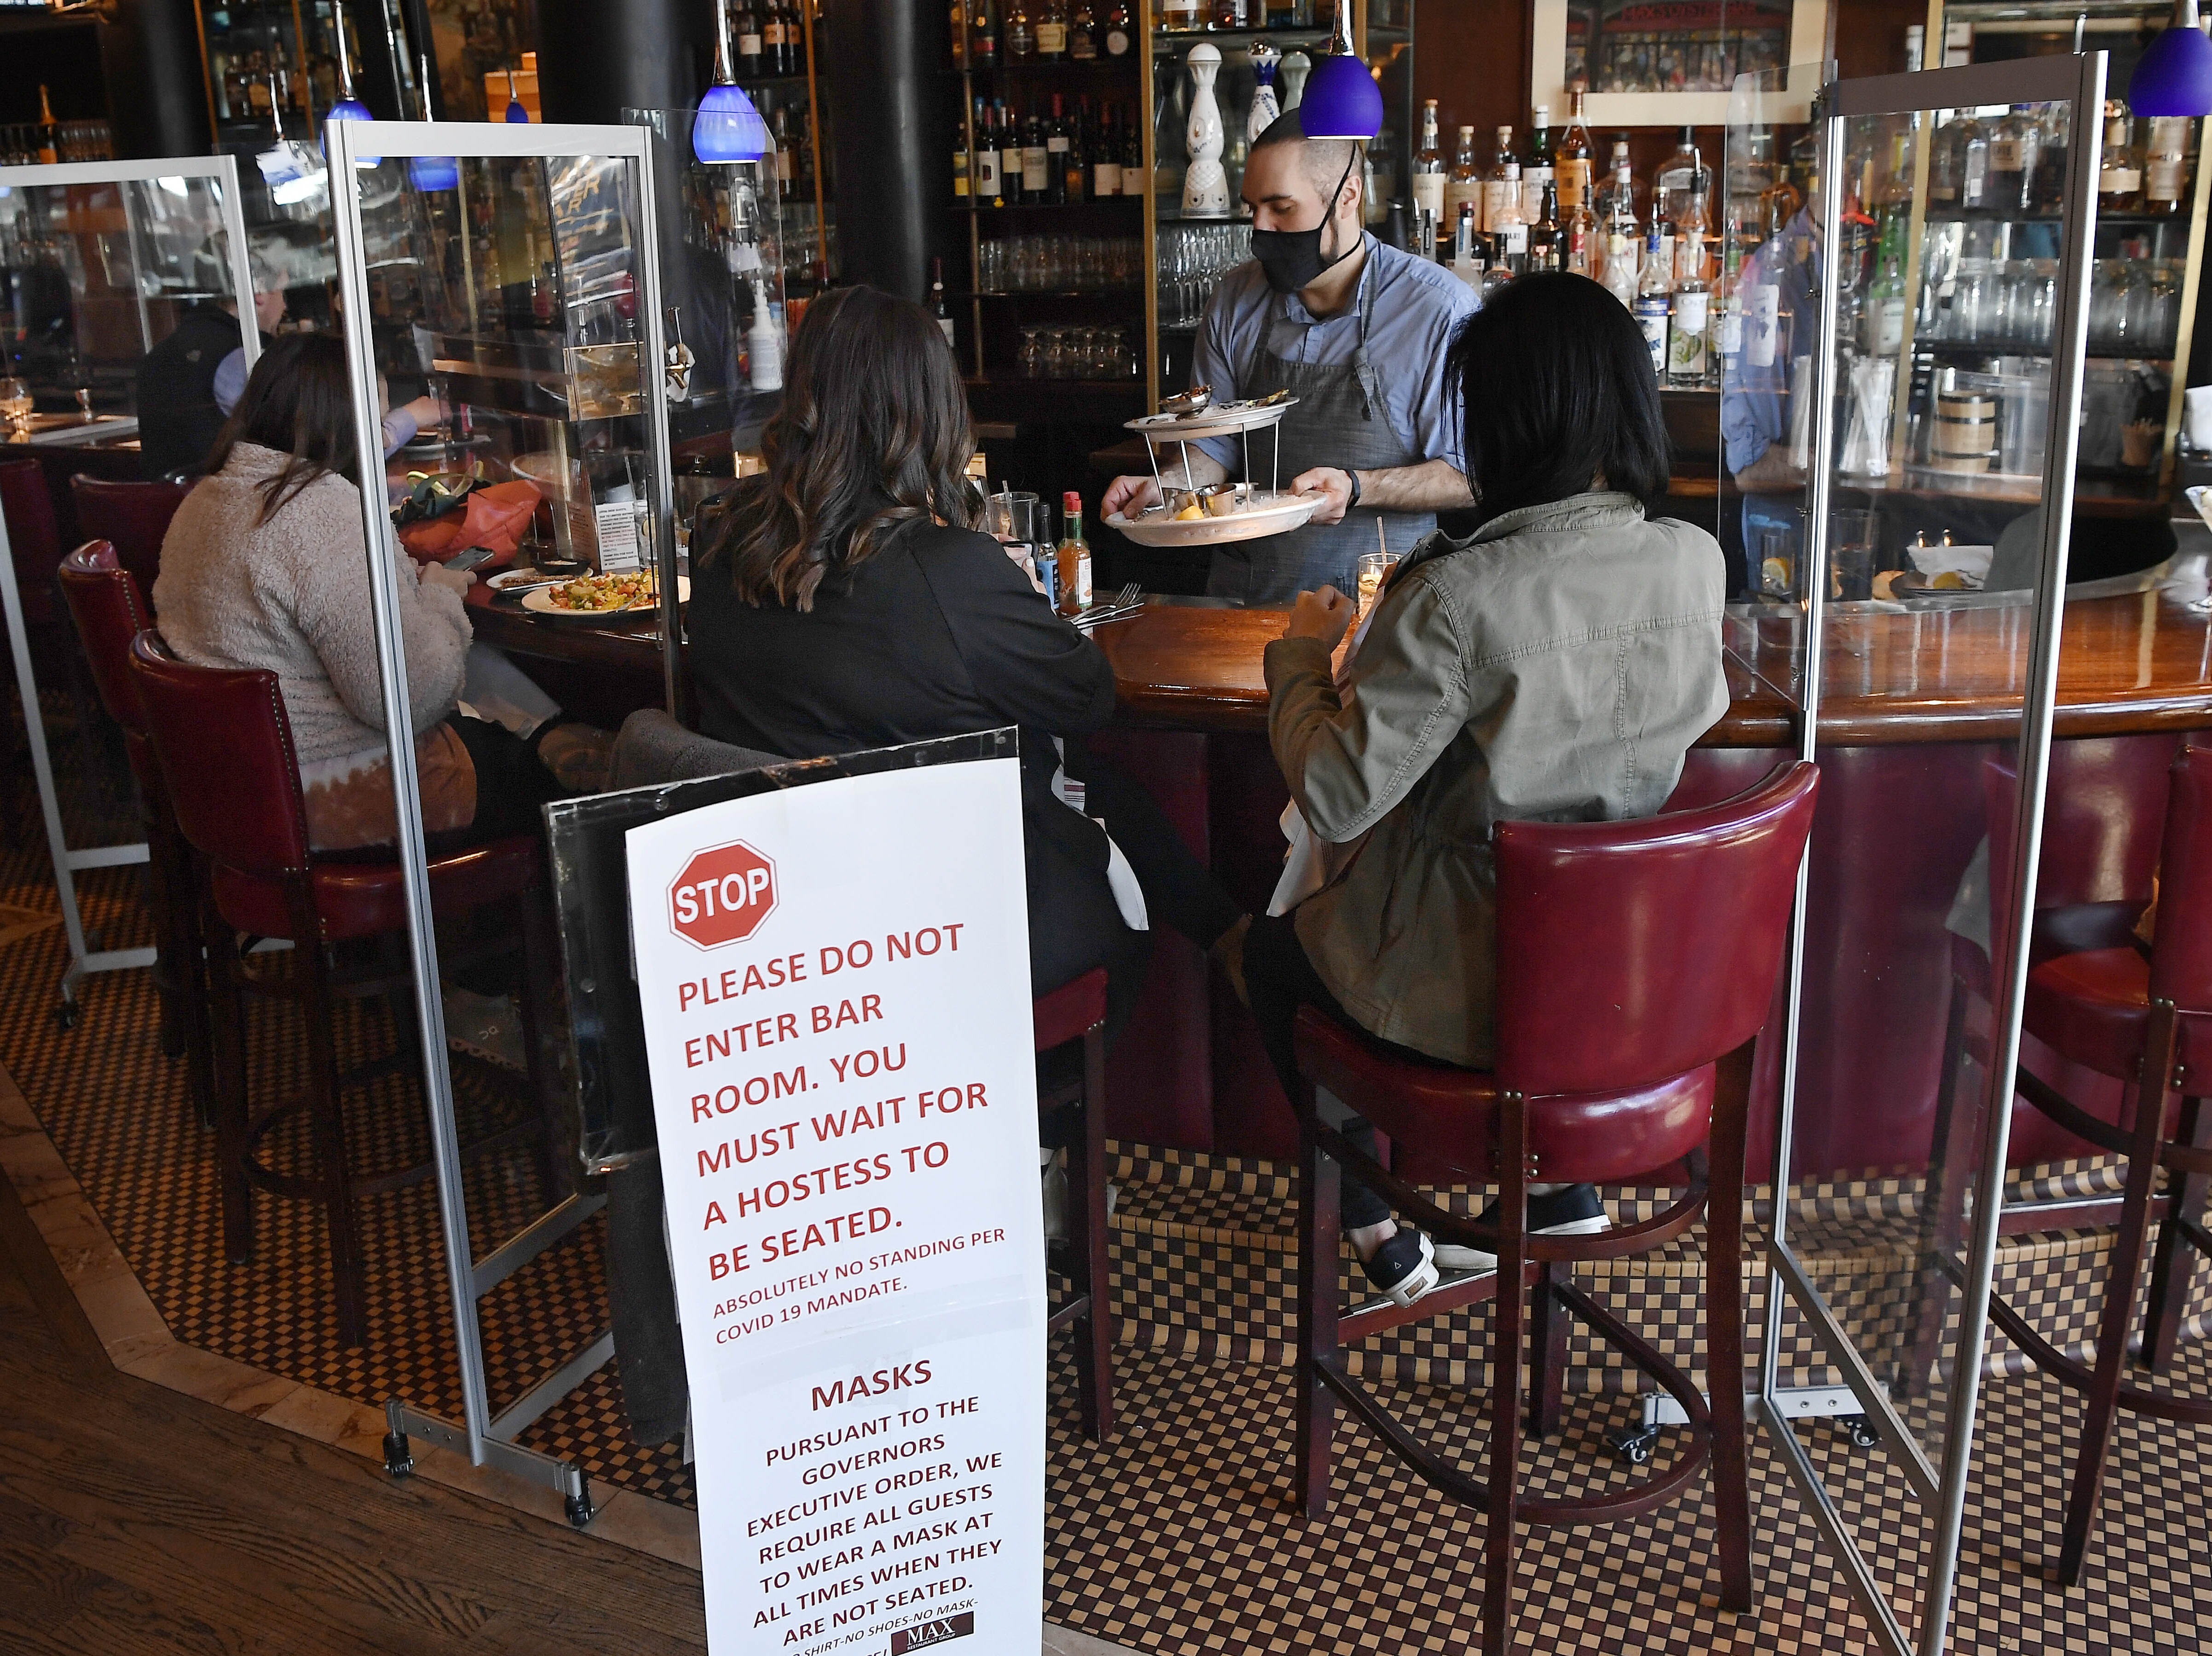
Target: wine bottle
column 1118, row 31
column 1057, row 145
column 1105, row 159
column 982, row 34
column 49, row 131
column 749, row 40
column 1035, row 168
column 937, row 306
column 771, row 53
column 1132, row 157
column 986, row 159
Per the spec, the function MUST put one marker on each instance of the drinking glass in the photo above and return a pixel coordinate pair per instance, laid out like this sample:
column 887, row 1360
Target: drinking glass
column 15, row 402
column 1374, row 569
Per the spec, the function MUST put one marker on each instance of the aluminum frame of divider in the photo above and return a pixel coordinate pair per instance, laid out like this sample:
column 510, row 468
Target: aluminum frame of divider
column 222, row 171
column 484, row 1438
column 1940, row 1489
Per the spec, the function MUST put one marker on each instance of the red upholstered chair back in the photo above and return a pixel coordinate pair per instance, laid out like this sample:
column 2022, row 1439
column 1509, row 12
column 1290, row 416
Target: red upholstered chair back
column 226, row 753
column 2104, row 808
column 1631, row 952
column 133, row 516
column 2181, row 949
column 110, row 609
column 33, row 540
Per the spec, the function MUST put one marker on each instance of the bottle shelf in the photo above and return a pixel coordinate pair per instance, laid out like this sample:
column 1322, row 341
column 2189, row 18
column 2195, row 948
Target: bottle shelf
column 1133, row 295
column 1051, row 67
column 1166, row 42
column 972, row 206
column 1998, row 216
column 2008, row 348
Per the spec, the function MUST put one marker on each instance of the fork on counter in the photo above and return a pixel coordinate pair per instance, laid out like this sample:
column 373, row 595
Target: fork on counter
column 1123, row 605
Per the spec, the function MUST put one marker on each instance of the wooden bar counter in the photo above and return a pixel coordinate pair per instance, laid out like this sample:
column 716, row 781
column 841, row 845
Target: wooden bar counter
column 1914, row 701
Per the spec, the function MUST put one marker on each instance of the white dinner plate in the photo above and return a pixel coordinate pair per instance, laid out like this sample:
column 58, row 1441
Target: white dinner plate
column 540, row 603
column 1272, row 513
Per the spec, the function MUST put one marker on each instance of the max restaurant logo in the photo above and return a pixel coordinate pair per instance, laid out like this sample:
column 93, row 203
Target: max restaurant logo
column 923, row 1634
column 721, row 896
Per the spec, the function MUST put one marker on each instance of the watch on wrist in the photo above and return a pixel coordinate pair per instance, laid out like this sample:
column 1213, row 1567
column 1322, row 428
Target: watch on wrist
column 1354, row 476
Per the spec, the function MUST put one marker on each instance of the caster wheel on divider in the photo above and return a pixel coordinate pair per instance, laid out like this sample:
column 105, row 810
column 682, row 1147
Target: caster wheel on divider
column 66, row 1015
column 399, row 1458
column 1859, row 1429
column 1632, row 1444
column 579, row 1505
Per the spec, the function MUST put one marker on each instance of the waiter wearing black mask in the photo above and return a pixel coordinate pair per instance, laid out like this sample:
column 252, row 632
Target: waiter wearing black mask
column 1356, row 330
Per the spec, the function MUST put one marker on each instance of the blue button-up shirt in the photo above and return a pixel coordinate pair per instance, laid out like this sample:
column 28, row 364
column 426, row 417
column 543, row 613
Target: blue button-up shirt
column 1418, row 306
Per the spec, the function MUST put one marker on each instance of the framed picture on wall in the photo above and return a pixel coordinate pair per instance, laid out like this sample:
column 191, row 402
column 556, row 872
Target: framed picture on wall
column 1667, row 63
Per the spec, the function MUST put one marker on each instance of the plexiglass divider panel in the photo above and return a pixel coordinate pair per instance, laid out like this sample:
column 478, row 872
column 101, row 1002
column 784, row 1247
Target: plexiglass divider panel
column 531, row 300
column 1932, row 501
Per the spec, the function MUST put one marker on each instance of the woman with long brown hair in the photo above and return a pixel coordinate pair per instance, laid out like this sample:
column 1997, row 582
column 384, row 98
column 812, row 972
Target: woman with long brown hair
column 843, row 600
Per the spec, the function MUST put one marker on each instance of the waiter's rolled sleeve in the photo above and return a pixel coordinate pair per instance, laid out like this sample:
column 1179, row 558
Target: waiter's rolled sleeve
column 1418, row 305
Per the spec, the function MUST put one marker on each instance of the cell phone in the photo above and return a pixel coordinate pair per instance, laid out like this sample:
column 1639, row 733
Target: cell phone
column 471, row 558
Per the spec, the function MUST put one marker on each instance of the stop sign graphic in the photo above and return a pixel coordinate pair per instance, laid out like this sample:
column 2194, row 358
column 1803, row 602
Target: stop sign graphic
column 722, row 895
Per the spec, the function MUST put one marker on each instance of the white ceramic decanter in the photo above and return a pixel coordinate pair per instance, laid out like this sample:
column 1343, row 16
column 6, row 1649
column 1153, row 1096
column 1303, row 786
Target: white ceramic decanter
column 1265, row 60
column 1205, row 185
column 1295, row 68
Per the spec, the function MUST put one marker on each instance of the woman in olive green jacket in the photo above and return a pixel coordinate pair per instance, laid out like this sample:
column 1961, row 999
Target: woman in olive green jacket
column 1556, row 667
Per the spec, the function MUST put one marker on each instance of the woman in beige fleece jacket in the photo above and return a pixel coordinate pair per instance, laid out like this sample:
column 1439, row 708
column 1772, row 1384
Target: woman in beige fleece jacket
column 264, row 567
column 1555, row 666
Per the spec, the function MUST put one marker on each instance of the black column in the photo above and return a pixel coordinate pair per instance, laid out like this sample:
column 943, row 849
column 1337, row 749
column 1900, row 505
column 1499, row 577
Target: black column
column 597, row 58
column 156, row 81
column 882, row 92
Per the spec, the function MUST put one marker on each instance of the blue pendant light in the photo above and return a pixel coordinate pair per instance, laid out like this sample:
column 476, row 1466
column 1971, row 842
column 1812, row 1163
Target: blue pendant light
column 2174, row 76
column 1341, row 99
column 347, row 107
column 432, row 171
column 517, row 114
column 728, row 128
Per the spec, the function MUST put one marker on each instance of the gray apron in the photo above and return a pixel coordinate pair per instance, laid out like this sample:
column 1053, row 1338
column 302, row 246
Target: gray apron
column 1339, row 421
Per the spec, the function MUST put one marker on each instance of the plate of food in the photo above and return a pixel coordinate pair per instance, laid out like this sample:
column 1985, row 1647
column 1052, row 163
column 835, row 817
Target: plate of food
column 599, row 598
column 1231, row 512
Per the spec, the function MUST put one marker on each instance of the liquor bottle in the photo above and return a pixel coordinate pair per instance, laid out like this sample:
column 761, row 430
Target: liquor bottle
column 1230, row 15
column 1074, row 557
column 1970, row 148
column 1118, row 30
column 959, row 33
column 1010, row 157
column 2047, row 191
column 961, row 182
column 786, row 171
column 982, row 33
column 1430, row 172
column 749, row 40
column 1571, row 160
column 1686, row 334
column 1021, row 33
column 2015, row 150
column 1132, row 156
column 1510, row 234
column 1466, row 184
column 2119, row 173
column 1494, row 202
column 1691, row 236
column 1058, row 147
column 937, row 306
column 1578, row 238
column 1618, row 269
column 1051, row 31
column 1617, row 177
column 1179, row 17
column 1463, row 237
column 49, row 131
column 1653, row 298
column 1546, row 245
column 1105, row 159
column 1035, row 169
column 2165, row 162
column 986, row 185
column 1885, row 304
column 771, row 38
column 1083, row 33
column 1536, row 169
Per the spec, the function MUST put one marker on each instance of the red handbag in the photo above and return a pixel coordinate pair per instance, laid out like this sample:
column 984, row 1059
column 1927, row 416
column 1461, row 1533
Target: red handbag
column 493, row 516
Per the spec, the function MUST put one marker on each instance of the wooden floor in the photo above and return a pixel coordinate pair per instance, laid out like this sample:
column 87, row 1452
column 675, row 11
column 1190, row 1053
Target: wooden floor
column 134, row 1518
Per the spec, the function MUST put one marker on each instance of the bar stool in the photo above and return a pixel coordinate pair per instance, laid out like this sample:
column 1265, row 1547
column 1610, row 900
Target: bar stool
column 2144, row 1020
column 110, row 608
column 1636, row 964
column 2104, row 810
column 225, row 747
column 131, row 515
column 1077, row 1011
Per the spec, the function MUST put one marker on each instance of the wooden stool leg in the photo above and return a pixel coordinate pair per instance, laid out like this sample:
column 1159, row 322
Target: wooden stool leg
column 1087, row 1249
column 541, row 1053
column 1320, row 1216
column 2174, row 1261
column 1506, row 1327
column 2102, row 1402
column 1548, row 1351
column 1724, row 1368
column 1943, row 1227
column 226, row 1018
column 327, row 1113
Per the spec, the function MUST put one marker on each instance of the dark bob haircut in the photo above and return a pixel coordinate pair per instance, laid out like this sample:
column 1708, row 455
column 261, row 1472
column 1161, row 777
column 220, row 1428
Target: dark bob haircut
column 1555, row 387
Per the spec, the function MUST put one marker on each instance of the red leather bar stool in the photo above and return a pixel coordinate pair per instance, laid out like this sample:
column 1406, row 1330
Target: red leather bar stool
column 131, row 516
column 1077, row 1011
column 110, row 608
column 225, row 747
column 2143, row 1017
column 1636, row 964
column 2104, row 812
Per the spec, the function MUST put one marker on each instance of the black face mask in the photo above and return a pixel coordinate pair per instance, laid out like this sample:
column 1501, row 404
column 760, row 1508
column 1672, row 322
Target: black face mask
column 1291, row 259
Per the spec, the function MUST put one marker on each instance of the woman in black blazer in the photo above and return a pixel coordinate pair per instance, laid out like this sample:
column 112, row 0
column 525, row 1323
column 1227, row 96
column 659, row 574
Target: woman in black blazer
column 841, row 601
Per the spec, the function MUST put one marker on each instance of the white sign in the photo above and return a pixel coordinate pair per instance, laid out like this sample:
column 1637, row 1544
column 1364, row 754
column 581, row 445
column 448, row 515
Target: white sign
column 836, row 986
